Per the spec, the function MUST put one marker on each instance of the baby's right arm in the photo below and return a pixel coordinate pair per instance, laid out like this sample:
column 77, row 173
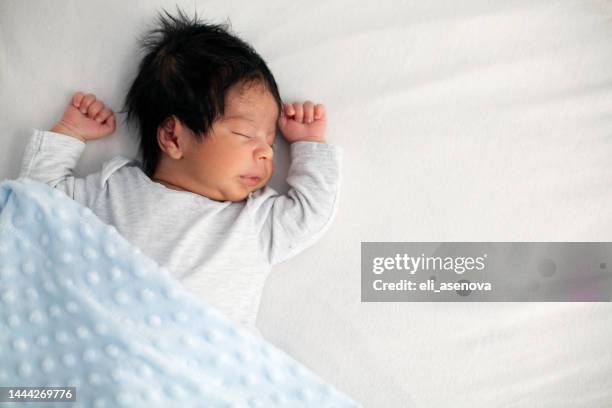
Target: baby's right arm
column 50, row 156
column 86, row 118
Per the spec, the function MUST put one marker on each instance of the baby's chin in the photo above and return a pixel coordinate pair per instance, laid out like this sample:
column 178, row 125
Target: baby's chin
column 243, row 194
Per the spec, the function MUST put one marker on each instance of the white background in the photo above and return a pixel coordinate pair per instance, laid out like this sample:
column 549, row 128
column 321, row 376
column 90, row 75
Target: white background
column 460, row 121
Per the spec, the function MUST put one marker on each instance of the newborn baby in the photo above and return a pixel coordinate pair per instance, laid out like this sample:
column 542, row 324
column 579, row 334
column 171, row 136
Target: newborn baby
column 208, row 111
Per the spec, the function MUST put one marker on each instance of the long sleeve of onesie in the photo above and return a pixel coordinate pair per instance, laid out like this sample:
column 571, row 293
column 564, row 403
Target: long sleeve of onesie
column 221, row 251
column 284, row 224
column 51, row 157
column 288, row 224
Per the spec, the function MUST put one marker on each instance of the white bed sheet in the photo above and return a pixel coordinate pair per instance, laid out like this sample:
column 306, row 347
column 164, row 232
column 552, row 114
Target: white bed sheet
column 461, row 121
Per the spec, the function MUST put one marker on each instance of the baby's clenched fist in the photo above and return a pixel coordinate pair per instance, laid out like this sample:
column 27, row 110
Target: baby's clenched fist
column 86, row 118
column 305, row 122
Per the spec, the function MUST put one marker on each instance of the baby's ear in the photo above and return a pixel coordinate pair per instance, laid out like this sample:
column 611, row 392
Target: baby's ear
column 167, row 138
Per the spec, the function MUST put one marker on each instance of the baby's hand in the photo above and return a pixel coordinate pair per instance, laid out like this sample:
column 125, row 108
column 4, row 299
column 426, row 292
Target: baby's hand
column 86, row 118
column 303, row 122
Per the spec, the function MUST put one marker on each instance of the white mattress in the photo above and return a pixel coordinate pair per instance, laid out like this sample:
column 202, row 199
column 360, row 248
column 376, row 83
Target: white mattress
column 461, row 121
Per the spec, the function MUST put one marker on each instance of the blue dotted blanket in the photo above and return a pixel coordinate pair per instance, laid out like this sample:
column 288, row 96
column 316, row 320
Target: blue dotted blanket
column 80, row 306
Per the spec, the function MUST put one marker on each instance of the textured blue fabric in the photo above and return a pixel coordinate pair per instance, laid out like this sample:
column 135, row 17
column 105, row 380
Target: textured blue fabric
column 80, row 306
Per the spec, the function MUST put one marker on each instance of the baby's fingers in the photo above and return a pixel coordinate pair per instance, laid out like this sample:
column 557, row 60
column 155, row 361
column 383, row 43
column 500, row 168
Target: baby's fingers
column 308, row 111
column 299, row 112
column 77, row 98
column 288, row 109
column 319, row 111
column 85, row 102
column 103, row 115
column 110, row 123
column 94, row 109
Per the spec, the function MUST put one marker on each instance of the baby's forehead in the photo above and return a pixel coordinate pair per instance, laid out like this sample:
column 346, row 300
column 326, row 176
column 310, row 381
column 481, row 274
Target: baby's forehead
column 253, row 117
column 250, row 112
column 243, row 100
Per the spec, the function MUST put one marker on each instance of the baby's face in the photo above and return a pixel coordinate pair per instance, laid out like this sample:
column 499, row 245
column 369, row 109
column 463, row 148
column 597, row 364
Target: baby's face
column 235, row 158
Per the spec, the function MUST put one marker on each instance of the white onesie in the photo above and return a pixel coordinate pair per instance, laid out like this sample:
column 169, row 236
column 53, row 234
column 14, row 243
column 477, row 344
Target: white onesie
column 221, row 251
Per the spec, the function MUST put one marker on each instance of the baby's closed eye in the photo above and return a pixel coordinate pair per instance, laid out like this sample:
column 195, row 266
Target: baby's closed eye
column 242, row 135
column 250, row 137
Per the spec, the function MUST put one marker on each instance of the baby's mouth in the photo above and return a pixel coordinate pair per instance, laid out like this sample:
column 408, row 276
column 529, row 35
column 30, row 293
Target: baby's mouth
column 250, row 180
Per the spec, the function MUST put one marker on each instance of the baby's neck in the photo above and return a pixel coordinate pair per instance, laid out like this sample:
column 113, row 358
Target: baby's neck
column 167, row 184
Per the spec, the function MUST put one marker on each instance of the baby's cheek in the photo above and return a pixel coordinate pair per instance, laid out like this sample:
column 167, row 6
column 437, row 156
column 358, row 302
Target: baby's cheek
column 271, row 171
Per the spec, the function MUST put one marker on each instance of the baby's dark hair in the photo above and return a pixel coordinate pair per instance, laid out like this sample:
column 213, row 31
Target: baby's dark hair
column 186, row 71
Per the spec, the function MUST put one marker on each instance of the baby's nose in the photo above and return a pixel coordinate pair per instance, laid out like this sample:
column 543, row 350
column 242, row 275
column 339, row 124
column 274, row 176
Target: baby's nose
column 265, row 152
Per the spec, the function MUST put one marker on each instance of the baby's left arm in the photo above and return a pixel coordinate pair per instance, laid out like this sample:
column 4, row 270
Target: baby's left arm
column 288, row 224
